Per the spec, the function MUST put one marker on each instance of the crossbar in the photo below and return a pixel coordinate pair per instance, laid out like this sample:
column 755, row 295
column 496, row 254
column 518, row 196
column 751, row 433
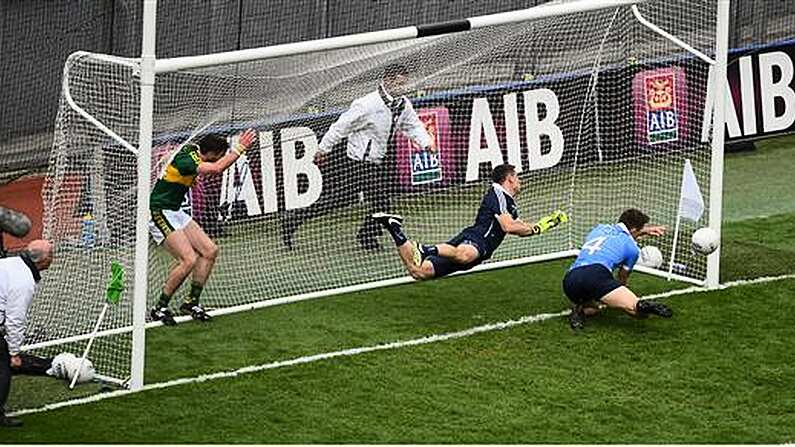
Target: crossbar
column 391, row 35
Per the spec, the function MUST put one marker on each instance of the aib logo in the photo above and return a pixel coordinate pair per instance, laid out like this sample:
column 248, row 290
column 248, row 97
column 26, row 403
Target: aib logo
column 425, row 164
column 661, row 113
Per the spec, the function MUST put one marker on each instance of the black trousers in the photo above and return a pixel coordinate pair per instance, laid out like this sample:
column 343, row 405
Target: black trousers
column 5, row 373
column 344, row 181
column 376, row 185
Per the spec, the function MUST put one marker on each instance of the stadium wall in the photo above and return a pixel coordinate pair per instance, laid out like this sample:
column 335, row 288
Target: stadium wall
column 38, row 35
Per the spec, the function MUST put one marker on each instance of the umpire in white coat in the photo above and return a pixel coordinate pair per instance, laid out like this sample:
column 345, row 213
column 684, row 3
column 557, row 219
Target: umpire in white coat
column 18, row 278
column 369, row 125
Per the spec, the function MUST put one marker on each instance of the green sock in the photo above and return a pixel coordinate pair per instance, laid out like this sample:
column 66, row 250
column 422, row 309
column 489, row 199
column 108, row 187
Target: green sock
column 164, row 300
column 195, row 292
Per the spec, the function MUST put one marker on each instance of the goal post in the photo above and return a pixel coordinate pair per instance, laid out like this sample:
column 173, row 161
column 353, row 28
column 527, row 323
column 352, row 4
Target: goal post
column 140, row 288
column 718, row 135
column 596, row 109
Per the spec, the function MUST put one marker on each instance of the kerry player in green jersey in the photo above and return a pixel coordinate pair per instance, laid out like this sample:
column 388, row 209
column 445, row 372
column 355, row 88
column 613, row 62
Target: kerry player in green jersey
column 194, row 251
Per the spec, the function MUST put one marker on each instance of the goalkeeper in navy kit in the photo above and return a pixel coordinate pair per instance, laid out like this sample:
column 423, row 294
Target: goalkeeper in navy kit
column 497, row 216
column 178, row 232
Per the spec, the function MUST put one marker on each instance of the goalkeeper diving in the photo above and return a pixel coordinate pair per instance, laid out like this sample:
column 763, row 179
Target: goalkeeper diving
column 497, row 216
column 184, row 239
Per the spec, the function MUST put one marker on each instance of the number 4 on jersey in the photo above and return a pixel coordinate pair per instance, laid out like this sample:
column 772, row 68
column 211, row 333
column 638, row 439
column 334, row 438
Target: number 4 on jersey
column 594, row 244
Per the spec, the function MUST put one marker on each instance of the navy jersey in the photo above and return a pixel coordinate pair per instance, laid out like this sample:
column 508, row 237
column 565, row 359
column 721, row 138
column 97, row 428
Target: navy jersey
column 496, row 201
column 608, row 245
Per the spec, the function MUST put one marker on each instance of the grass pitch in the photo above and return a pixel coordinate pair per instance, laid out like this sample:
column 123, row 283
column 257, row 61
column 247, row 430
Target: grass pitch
column 722, row 370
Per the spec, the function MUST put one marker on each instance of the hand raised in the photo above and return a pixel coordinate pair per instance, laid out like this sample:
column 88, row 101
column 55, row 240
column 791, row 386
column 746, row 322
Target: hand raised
column 246, row 140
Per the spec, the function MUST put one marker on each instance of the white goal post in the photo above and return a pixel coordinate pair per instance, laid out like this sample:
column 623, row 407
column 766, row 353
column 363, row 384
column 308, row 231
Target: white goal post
column 594, row 81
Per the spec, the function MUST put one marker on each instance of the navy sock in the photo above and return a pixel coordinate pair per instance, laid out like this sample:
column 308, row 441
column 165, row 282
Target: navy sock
column 396, row 231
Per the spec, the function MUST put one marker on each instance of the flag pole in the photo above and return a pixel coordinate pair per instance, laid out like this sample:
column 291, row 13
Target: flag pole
column 112, row 296
column 678, row 222
column 88, row 346
column 691, row 206
column 676, row 239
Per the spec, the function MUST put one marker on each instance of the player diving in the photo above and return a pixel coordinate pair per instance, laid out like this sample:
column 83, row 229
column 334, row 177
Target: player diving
column 497, row 216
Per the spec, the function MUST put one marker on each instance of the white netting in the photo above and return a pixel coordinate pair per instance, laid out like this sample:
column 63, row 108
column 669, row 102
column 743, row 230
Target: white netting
column 565, row 98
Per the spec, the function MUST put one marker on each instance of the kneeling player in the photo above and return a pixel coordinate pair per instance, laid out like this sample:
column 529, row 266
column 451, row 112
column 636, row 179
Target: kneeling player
column 497, row 216
column 184, row 239
column 590, row 279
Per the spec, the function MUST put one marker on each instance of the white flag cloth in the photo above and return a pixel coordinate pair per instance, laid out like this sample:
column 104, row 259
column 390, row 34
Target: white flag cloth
column 691, row 202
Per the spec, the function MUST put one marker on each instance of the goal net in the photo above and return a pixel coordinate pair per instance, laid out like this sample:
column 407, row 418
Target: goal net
column 597, row 112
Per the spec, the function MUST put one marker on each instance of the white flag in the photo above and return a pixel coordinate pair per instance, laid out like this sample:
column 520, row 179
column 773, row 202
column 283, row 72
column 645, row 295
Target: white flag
column 691, row 202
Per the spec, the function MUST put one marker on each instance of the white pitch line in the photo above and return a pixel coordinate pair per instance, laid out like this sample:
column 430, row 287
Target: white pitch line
column 365, row 349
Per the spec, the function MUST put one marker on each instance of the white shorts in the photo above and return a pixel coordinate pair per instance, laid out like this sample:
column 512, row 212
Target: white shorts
column 164, row 222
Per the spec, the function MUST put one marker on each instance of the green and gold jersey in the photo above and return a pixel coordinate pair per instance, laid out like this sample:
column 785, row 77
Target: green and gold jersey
column 177, row 178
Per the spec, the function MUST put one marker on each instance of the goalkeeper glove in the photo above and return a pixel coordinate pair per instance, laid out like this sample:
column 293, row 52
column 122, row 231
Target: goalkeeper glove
column 551, row 221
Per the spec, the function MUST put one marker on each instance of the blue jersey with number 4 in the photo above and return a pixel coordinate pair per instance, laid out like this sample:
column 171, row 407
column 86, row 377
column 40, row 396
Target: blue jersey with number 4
column 610, row 246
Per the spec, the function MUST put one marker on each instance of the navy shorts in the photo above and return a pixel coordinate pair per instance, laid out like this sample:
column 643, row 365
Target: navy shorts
column 589, row 283
column 443, row 266
column 473, row 239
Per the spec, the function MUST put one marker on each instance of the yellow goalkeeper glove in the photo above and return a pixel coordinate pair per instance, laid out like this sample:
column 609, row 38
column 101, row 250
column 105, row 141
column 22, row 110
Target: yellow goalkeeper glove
column 551, row 221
